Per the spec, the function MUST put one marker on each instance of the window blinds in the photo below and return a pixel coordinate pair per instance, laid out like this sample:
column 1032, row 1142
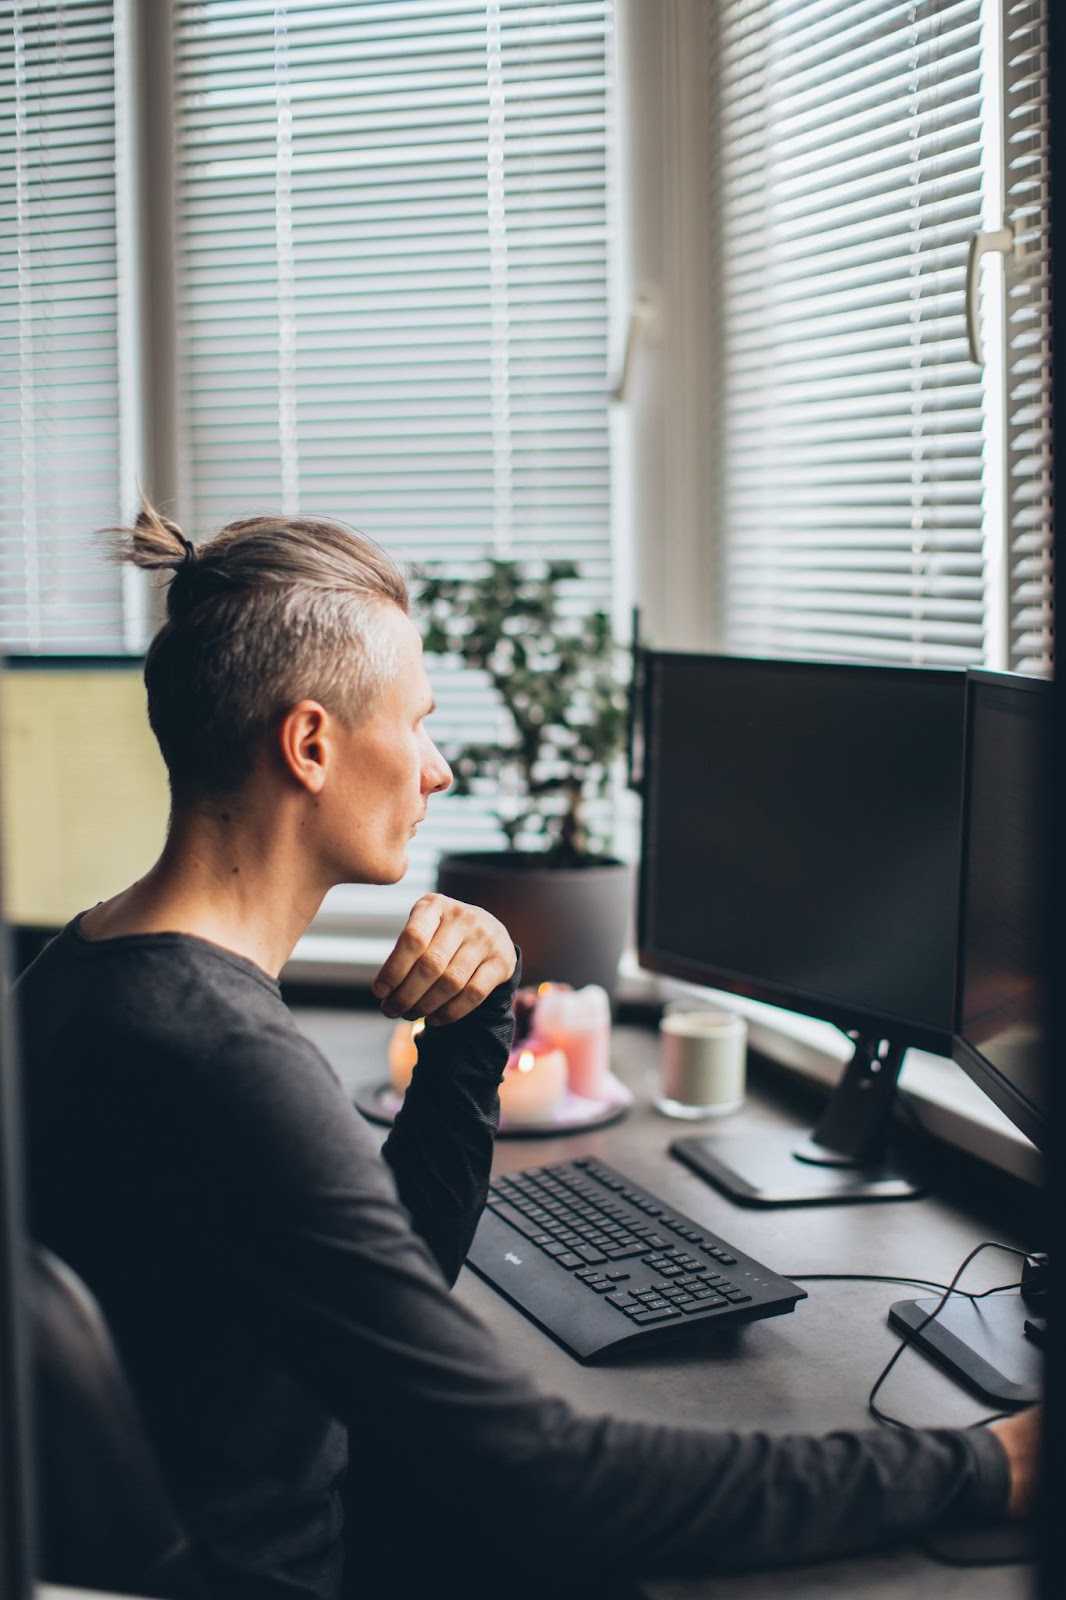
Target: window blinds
column 392, row 229
column 849, row 182
column 1028, row 338
column 59, row 416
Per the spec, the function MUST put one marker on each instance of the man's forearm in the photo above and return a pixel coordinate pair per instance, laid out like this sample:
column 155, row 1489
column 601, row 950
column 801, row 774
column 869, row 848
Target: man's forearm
column 440, row 1147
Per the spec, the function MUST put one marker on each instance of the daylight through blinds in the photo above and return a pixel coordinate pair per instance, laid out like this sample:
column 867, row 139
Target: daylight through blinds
column 849, row 184
column 59, row 415
column 393, row 228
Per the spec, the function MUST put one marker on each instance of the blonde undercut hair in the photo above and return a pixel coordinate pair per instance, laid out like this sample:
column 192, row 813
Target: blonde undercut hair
column 267, row 612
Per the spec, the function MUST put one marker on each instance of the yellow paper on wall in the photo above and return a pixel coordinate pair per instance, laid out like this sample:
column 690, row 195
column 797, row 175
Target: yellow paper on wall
column 83, row 789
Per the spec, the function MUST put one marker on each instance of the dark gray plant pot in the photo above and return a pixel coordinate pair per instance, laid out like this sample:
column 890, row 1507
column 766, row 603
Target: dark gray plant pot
column 570, row 923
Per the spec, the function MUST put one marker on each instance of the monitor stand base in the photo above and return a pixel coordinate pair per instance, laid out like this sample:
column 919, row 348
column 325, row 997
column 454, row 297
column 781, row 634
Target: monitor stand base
column 774, row 1168
column 982, row 1343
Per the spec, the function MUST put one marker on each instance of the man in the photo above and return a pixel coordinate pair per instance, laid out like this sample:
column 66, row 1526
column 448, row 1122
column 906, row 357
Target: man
column 278, row 1291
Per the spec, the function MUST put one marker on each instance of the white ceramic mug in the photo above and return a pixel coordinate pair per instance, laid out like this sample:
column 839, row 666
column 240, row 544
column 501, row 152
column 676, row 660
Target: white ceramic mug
column 703, row 1055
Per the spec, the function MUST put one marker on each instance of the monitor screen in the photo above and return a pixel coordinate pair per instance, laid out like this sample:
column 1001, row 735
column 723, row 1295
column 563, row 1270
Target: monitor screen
column 801, row 836
column 1001, row 1021
column 83, row 790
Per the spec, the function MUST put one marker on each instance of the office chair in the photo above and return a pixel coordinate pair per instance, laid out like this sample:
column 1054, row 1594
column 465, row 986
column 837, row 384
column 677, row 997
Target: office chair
column 104, row 1517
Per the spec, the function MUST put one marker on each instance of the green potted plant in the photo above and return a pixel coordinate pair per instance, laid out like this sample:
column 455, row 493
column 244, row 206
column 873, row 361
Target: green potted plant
column 557, row 887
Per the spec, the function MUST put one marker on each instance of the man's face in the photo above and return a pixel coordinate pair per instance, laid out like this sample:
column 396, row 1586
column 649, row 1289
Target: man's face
column 384, row 771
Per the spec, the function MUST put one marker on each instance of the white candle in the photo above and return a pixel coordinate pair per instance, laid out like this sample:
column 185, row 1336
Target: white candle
column 533, row 1086
column 578, row 1022
column 403, row 1053
column 703, row 1055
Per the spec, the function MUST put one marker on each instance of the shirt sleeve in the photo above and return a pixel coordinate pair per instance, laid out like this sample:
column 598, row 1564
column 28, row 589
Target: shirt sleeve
column 325, row 1257
column 440, row 1145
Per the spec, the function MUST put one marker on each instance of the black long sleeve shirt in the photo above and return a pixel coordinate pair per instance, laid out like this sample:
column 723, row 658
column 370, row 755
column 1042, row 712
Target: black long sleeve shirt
column 279, row 1295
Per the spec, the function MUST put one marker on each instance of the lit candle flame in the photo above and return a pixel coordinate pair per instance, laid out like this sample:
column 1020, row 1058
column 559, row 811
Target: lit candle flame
column 526, row 1061
column 545, row 988
column 416, row 1027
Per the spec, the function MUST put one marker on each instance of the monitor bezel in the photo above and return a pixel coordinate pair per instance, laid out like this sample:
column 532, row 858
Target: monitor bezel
column 825, row 1008
column 1023, row 1112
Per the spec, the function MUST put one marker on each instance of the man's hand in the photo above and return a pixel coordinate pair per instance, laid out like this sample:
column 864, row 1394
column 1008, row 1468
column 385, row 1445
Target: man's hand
column 1020, row 1437
column 448, row 959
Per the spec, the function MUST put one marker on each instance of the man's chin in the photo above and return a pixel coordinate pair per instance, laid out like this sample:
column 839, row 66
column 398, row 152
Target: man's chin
column 381, row 875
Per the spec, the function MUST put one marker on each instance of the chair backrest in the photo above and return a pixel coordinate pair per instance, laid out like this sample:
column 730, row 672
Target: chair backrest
column 104, row 1517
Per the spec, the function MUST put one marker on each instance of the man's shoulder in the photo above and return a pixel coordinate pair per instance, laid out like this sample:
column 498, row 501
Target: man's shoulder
column 167, row 996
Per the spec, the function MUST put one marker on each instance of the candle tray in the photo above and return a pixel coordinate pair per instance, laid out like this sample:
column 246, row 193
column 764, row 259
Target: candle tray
column 379, row 1102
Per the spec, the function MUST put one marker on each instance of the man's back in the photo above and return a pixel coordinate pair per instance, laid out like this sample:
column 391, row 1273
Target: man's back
column 143, row 1057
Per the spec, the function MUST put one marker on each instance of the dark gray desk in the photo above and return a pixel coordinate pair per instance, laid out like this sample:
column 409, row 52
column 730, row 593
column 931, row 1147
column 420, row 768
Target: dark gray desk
column 810, row 1371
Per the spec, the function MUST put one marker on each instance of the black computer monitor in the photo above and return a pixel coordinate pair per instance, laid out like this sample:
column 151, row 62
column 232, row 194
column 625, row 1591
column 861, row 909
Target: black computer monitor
column 800, row 846
column 1001, row 1002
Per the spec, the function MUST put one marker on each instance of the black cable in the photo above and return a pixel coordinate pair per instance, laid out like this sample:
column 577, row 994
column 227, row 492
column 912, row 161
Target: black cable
column 1000, row 1288
column 912, row 1333
column 878, row 1277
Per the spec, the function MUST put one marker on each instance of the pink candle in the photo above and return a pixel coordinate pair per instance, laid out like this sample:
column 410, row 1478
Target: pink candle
column 578, row 1022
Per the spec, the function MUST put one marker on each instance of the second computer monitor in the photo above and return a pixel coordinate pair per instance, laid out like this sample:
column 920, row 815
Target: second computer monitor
column 1001, row 1033
column 1001, row 998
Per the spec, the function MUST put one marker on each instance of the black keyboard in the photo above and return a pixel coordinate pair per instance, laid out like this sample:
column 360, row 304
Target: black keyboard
column 603, row 1265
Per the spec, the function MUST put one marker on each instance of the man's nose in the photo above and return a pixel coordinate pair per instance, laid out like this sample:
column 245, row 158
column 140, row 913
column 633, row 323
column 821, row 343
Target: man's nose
column 439, row 774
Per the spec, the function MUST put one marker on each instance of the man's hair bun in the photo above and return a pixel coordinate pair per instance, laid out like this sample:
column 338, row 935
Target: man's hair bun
column 155, row 541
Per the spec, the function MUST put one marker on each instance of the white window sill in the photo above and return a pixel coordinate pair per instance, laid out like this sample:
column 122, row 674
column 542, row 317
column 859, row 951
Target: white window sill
column 348, row 960
column 946, row 1102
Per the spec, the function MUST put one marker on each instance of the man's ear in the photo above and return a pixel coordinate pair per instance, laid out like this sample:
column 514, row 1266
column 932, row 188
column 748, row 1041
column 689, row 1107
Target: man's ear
column 304, row 742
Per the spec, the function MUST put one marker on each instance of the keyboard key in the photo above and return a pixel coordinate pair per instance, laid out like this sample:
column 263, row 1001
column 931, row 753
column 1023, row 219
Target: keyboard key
column 643, row 1318
column 569, row 1260
column 588, row 1253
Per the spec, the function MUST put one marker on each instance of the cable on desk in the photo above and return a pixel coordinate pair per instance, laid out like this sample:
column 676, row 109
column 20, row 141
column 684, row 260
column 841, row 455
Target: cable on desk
column 879, row 1277
column 908, row 1338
